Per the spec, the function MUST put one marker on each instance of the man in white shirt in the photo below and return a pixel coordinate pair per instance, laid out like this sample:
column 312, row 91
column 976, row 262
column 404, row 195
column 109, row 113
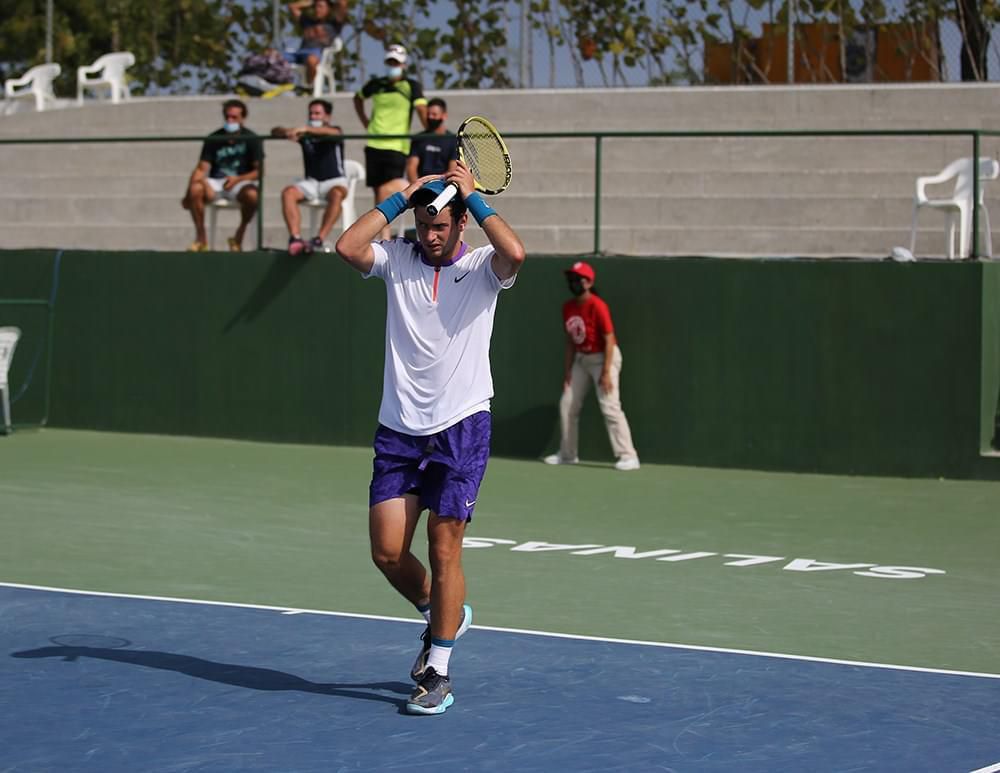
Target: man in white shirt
column 432, row 443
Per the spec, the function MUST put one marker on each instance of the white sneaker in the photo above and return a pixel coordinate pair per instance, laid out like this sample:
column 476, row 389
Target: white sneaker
column 556, row 459
column 627, row 463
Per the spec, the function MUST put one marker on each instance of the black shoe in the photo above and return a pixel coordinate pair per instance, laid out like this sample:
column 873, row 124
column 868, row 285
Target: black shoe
column 432, row 695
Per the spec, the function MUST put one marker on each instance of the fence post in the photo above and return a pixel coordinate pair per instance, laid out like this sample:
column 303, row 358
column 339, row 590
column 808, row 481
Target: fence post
column 260, row 203
column 975, row 195
column 597, row 193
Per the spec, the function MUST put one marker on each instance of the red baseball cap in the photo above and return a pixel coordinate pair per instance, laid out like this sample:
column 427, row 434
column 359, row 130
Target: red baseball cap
column 580, row 268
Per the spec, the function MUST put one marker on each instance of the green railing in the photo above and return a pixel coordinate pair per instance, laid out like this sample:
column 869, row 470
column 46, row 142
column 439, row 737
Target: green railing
column 974, row 135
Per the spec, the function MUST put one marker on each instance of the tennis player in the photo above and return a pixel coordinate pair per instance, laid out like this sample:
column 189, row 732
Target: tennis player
column 433, row 438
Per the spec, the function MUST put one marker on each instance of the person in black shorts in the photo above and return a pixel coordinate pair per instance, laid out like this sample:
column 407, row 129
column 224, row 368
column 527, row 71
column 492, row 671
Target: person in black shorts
column 325, row 178
column 394, row 100
column 434, row 151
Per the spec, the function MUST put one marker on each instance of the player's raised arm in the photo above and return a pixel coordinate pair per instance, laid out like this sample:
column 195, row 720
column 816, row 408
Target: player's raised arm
column 355, row 244
column 509, row 251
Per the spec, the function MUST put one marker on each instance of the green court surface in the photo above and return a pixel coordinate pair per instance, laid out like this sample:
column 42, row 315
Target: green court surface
column 895, row 571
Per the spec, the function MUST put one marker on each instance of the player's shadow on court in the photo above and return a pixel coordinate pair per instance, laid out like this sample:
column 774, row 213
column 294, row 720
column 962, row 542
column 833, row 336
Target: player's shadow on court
column 279, row 274
column 249, row 677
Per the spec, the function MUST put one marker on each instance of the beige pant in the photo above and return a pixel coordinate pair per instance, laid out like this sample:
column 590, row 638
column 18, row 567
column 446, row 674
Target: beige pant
column 586, row 369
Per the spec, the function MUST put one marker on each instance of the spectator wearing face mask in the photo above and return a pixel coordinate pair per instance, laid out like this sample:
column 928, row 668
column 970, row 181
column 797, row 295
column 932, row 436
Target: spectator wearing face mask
column 394, row 98
column 325, row 178
column 229, row 168
column 592, row 355
column 434, row 151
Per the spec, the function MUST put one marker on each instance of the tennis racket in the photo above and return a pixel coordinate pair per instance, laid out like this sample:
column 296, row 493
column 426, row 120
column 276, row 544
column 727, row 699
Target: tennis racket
column 482, row 150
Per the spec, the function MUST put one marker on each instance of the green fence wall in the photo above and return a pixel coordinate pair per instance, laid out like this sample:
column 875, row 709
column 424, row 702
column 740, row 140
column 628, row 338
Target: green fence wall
column 989, row 435
column 829, row 366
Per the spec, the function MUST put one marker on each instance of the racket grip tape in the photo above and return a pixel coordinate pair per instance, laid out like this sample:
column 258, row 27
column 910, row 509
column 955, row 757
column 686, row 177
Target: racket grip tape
column 442, row 199
column 393, row 207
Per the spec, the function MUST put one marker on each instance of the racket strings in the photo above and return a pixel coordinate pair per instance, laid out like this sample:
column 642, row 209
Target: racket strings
column 486, row 157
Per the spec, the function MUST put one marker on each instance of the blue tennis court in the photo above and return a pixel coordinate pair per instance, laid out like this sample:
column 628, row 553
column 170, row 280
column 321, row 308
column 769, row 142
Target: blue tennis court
column 117, row 683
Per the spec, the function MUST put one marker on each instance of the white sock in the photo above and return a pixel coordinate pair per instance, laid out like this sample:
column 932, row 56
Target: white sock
column 438, row 659
column 426, row 612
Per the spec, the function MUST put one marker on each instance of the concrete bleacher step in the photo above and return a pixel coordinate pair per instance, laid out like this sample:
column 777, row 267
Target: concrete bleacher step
column 637, row 211
column 552, row 157
column 774, row 155
column 836, row 182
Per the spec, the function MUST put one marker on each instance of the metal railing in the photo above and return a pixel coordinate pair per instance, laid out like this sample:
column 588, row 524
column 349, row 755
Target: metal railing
column 975, row 135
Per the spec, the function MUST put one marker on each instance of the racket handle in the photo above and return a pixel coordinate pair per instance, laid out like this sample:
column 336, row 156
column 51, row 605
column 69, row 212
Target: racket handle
column 442, row 199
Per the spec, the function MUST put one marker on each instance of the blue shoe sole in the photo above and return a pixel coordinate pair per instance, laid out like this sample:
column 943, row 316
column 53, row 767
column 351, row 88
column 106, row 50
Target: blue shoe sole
column 414, row 708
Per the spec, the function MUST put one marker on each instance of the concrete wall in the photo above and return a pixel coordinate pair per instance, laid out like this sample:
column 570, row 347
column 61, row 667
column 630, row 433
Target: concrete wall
column 819, row 366
column 729, row 197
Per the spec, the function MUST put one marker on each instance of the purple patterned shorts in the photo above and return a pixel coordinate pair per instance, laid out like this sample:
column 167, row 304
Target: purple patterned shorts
column 444, row 469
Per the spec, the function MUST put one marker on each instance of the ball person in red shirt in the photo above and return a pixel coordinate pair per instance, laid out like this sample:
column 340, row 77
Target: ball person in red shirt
column 592, row 354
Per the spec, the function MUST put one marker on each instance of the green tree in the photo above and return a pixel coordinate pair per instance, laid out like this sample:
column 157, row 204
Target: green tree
column 181, row 46
column 472, row 47
column 612, row 34
column 399, row 21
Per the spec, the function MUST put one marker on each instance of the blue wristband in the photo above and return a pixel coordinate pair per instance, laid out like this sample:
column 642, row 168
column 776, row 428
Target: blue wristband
column 393, row 207
column 477, row 205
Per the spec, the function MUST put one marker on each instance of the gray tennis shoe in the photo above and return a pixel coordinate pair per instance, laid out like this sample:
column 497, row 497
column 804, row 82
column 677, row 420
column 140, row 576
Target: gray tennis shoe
column 432, row 695
column 420, row 664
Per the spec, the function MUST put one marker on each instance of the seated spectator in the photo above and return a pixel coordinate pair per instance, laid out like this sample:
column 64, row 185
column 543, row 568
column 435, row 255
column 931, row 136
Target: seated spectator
column 434, row 151
column 228, row 168
column 323, row 158
column 319, row 29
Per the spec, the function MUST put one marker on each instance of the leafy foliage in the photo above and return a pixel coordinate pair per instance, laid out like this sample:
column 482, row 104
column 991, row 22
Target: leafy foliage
column 180, row 45
column 473, row 43
column 195, row 46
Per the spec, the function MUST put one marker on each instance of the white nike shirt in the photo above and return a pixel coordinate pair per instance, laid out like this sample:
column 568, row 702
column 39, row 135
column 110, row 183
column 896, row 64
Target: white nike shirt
column 437, row 336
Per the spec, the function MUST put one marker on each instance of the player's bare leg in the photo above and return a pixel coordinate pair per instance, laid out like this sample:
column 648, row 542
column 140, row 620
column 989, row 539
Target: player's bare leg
column 447, row 576
column 391, row 525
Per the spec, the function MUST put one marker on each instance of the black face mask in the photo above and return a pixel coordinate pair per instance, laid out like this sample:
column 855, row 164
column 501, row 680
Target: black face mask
column 434, row 124
column 575, row 285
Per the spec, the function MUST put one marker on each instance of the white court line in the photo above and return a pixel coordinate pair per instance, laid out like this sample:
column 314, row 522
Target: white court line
column 990, row 769
column 524, row 631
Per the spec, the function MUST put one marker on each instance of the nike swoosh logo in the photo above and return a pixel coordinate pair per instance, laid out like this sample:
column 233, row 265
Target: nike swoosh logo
column 459, row 279
column 470, row 504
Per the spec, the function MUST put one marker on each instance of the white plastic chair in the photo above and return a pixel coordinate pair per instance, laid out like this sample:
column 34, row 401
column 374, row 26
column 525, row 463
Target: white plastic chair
column 325, row 82
column 958, row 206
column 36, row 82
column 355, row 173
column 108, row 70
column 8, row 342
column 213, row 208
